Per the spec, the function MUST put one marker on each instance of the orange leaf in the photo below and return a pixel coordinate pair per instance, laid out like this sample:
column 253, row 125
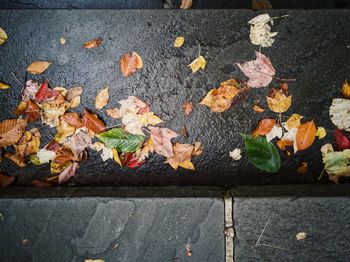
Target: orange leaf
column 113, row 113
column 11, row 131
column 258, row 108
column 187, row 108
column 283, row 143
column 346, row 90
column 264, row 127
column 93, row 43
column 73, row 119
column 32, row 111
column 130, row 62
column 38, row 67
column 305, row 135
column 92, row 122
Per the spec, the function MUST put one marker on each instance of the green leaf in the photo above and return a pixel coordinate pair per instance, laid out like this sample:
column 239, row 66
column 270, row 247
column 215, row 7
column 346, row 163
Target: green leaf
column 119, row 139
column 261, row 153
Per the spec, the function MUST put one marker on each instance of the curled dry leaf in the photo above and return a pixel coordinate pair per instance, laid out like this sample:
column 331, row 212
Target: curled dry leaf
column 6, row 180
column 64, row 130
column 305, row 135
column 129, row 63
column 161, row 139
column 278, row 101
column 11, row 130
column 346, row 90
column 179, row 41
column 220, row 99
column 260, row 31
column 93, row 43
column 92, row 122
column 340, row 113
column 4, row 85
column 38, row 67
column 259, row 71
column 3, row 36
column 113, row 113
column 236, row 154
column 186, row 4
column 29, row 143
column 264, row 127
column 261, row 5
column 187, row 108
column 198, row 63
column 73, row 119
column 102, row 98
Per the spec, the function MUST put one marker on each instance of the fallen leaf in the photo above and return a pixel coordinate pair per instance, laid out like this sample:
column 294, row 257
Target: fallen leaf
column 147, row 148
column 45, row 93
column 21, row 108
column 293, row 121
column 38, row 67
column 116, row 156
column 133, row 124
column 51, row 113
column 179, row 41
column 74, row 92
column 305, row 135
column 62, row 40
column 102, row 98
column 182, row 152
column 93, row 43
column 150, row 118
column 276, row 131
column 131, row 160
column 346, row 90
column 106, row 153
column 187, row 165
column 261, row 5
column 301, row 236
column 183, row 131
column 29, row 143
column 283, row 143
column 68, row 173
column 264, row 127
column 259, row 71
column 340, row 113
column 188, row 249
column 45, row 156
column 122, row 141
column 278, row 101
column 321, row 132
column 73, row 119
column 187, row 108
column 18, row 160
column 78, row 143
column 161, row 139
column 129, row 63
column 6, row 180
column 32, row 111
column 342, row 139
column 220, row 99
column 198, row 148
column 11, row 131
column 3, row 36
column 262, row 154
column 198, row 63
column 303, row 167
column 258, row 108
column 186, row 4
column 4, row 85
column 92, row 122
column 64, row 130
column 236, row 154
column 260, row 31
column 75, row 102
column 113, row 113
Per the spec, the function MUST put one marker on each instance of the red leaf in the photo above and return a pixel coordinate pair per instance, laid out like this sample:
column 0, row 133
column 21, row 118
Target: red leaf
column 92, row 122
column 131, row 160
column 42, row 92
column 342, row 140
column 32, row 111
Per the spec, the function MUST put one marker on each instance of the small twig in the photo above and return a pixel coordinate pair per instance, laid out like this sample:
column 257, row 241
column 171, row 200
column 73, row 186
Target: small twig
column 318, row 179
column 275, row 77
column 267, row 222
column 14, row 75
column 276, row 17
column 199, row 49
column 267, row 245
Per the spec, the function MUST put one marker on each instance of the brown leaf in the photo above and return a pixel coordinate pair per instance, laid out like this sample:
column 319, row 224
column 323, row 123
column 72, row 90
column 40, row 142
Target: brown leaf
column 264, row 127
column 93, row 43
column 258, row 108
column 305, row 135
column 73, row 119
column 303, row 167
column 18, row 160
column 102, row 98
column 11, row 130
column 161, row 139
column 261, row 5
column 187, row 108
column 129, row 63
column 29, row 143
column 92, row 122
column 38, row 67
column 21, row 108
column 32, row 111
column 74, row 92
column 113, row 113
column 186, row 4
column 6, row 180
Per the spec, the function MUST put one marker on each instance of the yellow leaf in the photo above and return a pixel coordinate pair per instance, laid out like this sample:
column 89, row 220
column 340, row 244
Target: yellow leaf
column 321, row 132
column 346, row 90
column 150, row 118
column 3, row 36
column 102, row 98
column 3, row 85
column 61, row 89
column 294, row 121
column 179, row 41
column 116, row 157
column 38, row 67
column 198, row 63
column 75, row 102
column 187, row 165
column 62, row 40
column 279, row 103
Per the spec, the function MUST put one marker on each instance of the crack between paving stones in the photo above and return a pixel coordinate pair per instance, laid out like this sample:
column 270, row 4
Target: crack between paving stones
column 229, row 227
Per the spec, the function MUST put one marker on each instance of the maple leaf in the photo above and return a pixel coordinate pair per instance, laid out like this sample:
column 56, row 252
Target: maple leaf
column 3, row 36
column 259, row 71
column 38, row 67
column 161, row 139
column 68, row 173
column 236, row 154
column 264, row 127
column 129, row 63
column 220, row 99
column 278, row 101
column 92, row 122
column 198, row 63
column 113, row 113
column 11, row 131
column 342, row 139
column 73, row 119
column 340, row 113
column 93, row 43
column 187, row 108
column 179, row 41
column 260, row 31
column 6, row 180
column 102, row 98
column 305, row 135
column 346, row 90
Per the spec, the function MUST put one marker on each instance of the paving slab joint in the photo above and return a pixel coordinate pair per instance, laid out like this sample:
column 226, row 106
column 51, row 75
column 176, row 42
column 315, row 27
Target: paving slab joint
column 229, row 227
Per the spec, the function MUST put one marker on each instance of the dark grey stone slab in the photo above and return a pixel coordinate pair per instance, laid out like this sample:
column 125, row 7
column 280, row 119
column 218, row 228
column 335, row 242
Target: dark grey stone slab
column 311, row 46
column 324, row 220
column 143, row 229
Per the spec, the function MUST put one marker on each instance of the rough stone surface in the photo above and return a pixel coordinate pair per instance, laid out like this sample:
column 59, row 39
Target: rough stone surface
column 143, row 229
column 311, row 46
column 324, row 220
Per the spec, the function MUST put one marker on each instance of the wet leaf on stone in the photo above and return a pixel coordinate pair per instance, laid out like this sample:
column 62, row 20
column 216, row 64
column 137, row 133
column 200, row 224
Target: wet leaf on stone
column 305, row 135
column 129, row 63
column 198, row 63
column 4, row 85
column 38, row 67
column 11, row 130
column 93, row 43
column 92, row 122
column 3, row 36
column 102, row 98
column 179, row 41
